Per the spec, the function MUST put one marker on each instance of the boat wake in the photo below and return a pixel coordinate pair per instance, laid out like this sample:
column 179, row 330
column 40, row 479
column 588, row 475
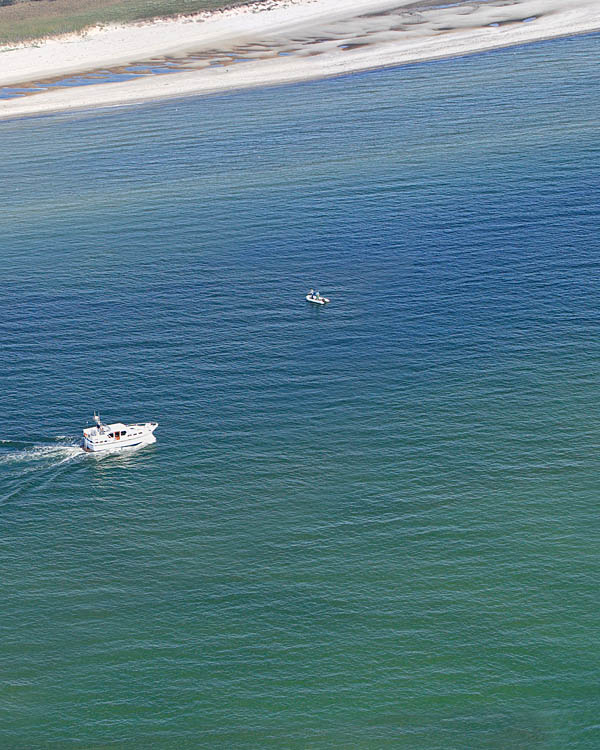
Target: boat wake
column 27, row 466
column 12, row 452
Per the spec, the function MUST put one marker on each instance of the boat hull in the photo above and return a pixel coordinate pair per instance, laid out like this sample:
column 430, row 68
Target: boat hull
column 117, row 445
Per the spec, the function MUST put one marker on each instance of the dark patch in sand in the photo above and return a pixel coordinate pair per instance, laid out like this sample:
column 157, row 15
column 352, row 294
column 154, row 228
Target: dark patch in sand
column 354, row 45
column 510, row 21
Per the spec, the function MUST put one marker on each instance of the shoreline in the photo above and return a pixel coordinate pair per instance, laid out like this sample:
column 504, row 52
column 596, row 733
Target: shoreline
column 286, row 42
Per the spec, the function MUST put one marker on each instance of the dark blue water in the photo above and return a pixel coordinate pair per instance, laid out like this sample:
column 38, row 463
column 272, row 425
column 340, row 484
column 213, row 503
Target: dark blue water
column 368, row 525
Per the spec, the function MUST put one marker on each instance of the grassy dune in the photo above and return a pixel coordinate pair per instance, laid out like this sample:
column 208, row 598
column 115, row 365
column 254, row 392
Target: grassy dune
column 35, row 19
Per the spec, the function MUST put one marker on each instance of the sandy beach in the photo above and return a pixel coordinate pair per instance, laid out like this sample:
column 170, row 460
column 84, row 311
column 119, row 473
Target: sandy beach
column 283, row 41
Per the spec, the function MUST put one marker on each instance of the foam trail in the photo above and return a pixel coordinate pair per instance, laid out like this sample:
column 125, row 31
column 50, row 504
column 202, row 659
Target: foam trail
column 42, row 453
column 49, row 455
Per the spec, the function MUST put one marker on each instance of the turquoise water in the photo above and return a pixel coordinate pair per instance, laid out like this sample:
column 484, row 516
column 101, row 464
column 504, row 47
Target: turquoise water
column 370, row 525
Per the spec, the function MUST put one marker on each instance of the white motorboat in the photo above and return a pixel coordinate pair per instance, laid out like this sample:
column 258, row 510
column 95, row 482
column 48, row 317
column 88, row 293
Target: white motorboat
column 314, row 296
column 106, row 437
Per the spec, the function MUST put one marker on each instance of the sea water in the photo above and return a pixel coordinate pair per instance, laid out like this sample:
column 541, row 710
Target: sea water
column 368, row 525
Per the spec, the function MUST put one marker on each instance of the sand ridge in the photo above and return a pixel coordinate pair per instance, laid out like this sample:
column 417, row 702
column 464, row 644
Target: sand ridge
column 281, row 42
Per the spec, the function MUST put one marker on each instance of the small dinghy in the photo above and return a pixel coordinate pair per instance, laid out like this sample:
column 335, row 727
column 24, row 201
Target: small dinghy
column 106, row 437
column 314, row 296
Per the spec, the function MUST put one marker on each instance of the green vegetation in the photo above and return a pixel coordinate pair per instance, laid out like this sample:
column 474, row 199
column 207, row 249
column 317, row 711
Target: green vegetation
column 23, row 20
